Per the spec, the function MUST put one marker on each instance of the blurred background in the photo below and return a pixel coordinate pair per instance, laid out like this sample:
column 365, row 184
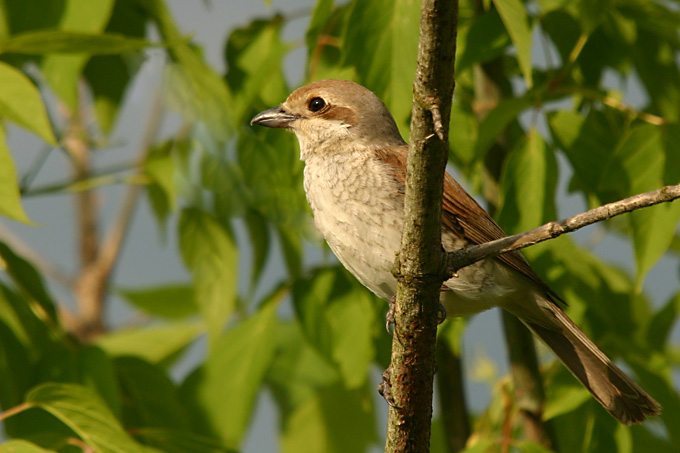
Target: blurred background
column 216, row 227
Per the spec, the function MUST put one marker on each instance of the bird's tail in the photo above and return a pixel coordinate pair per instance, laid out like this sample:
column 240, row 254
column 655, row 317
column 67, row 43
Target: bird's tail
column 618, row 393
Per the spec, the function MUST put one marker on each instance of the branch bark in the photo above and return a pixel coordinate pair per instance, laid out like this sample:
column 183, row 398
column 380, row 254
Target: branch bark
column 419, row 269
column 470, row 255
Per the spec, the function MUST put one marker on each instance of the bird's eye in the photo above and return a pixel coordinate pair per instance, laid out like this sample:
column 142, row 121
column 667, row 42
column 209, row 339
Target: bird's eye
column 316, row 104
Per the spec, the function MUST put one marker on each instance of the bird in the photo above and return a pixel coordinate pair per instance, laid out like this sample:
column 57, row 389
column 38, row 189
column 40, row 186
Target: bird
column 354, row 178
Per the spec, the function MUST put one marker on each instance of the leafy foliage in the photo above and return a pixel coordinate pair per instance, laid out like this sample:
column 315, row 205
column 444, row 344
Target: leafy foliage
column 233, row 195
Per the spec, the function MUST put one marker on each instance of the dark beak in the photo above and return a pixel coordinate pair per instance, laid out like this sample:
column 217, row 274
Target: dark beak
column 276, row 117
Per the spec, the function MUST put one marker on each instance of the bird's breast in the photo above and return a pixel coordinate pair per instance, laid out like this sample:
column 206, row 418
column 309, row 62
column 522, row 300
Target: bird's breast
column 358, row 208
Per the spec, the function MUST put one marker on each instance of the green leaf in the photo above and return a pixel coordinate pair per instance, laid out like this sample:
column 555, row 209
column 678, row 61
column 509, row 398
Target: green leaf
column 161, row 168
column 528, row 186
column 291, row 244
column 516, row 21
column 298, row 369
column 168, row 301
column 335, row 313
column 151, row 397
column 588, row 144
column 484, row 40
column 43, row 42
column 222, row 392
column 154, row 344
column 29, row 282
column 10, row 198
column 209, row 251
column 318, row 24
column 661, row 324
column 260, row 240
column 272, row 171
column 15, row 368
column 497, row 120
column 21, row 103
column 254, row 57
column 81, row 410
column 638, row 164
column 24, row 321
column 564, row 395
column 175, row 441
column 96, row 372
column 388, row 65
column 62, row 72
column 21, row 446
column 109, row 75
column 334, row 420
column 192, row 86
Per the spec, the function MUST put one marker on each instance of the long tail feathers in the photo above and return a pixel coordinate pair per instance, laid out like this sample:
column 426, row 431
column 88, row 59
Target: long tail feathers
column 618, row 393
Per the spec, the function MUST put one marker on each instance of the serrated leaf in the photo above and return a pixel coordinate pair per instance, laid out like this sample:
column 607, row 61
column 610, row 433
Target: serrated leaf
column 10, row 197
column 154, row 344
column 516, row 21
column 222, row 391
column 170, row 301
column 80, row 409
column 20, row 102
column 209, row 251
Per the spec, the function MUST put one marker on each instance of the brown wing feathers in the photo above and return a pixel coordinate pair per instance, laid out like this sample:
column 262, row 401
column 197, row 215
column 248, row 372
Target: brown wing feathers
column 460, row 212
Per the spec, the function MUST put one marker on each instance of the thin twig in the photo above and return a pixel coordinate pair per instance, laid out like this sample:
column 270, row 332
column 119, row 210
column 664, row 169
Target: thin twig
column 470, row 255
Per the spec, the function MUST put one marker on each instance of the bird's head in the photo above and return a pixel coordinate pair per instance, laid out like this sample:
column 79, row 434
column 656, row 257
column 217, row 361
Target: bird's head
column 333, row 113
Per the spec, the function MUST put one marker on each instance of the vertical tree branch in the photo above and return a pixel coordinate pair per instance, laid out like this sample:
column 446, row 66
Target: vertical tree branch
column 453, row 405
column 419, row 267
column 76, row 142
column 98, row 260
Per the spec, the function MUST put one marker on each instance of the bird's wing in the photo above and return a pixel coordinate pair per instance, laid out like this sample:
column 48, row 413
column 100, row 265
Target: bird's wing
column 461, row 213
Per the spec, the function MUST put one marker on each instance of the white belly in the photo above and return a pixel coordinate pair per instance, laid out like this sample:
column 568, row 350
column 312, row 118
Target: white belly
column 359, row 211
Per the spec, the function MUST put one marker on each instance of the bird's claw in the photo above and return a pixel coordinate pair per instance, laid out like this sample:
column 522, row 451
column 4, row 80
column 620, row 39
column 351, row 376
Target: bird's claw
column 389, row 317
column 385, row 388
column 441, row 316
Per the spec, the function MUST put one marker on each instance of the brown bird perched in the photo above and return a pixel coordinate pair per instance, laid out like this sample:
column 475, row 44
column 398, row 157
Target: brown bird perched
column 354, row 176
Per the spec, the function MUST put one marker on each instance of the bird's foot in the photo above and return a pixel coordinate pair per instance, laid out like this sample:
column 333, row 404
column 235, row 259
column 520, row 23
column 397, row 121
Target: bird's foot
column 385, row 388
column 389, row 317
column 441, row 316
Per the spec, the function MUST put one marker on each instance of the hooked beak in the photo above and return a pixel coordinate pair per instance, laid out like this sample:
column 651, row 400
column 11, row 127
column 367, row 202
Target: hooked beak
column 275, row 117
